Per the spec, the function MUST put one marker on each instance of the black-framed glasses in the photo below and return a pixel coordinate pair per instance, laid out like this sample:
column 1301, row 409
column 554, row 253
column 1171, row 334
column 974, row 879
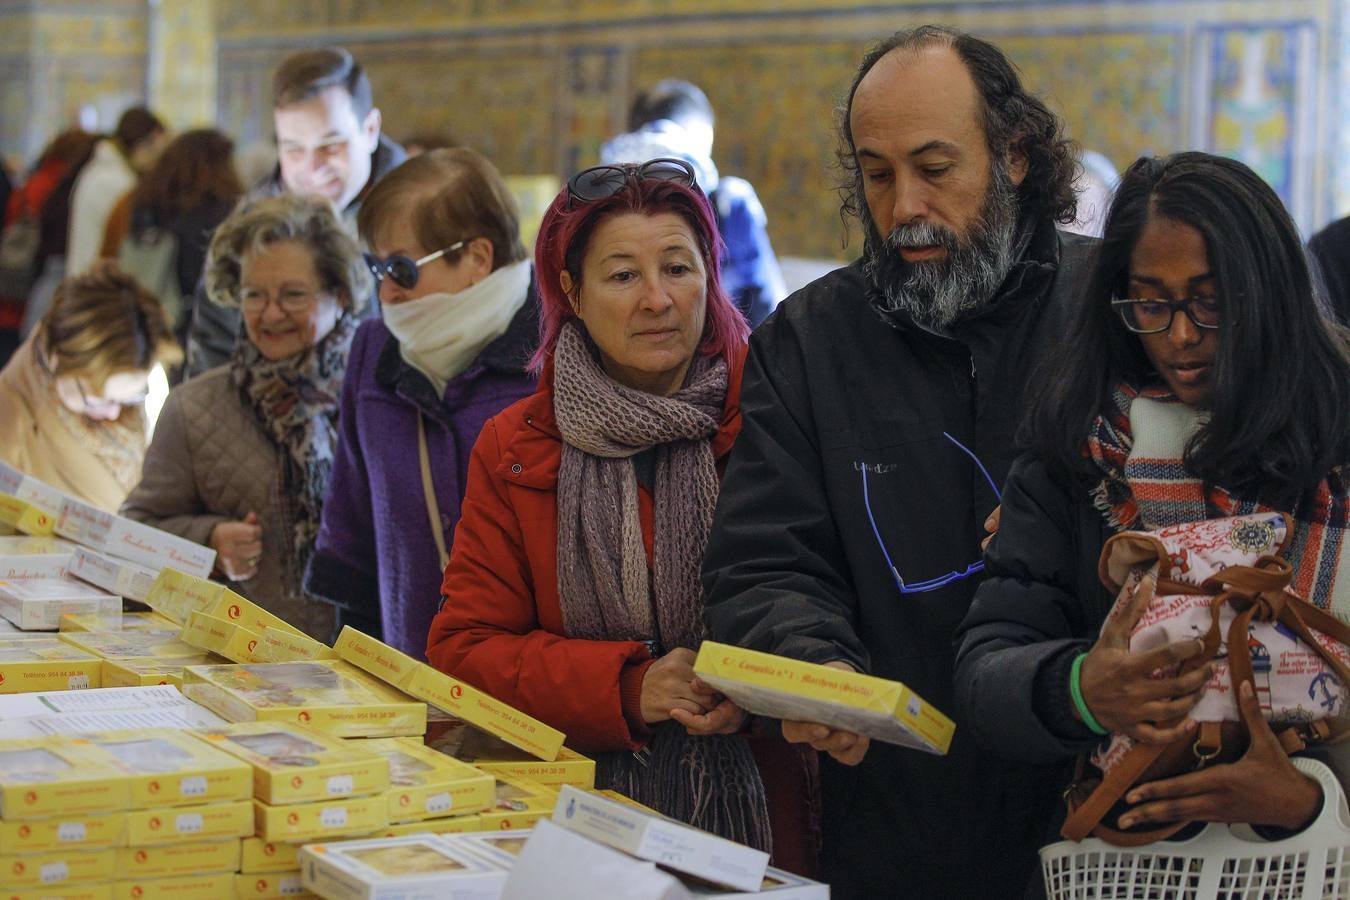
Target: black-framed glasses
column 932, row 584
column 1151, row 315
column 599, row 182
column 403, row 270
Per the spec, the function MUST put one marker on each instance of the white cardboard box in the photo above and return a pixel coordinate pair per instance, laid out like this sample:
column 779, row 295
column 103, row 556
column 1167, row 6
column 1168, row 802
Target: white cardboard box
column 125, row 539
column 416, row 867
column 667, row 842
column 29, row 489
column 117, row 576
column 37, row 604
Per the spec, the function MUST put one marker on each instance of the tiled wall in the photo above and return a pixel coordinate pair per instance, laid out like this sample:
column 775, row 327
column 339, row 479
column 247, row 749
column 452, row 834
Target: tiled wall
column 538, row 84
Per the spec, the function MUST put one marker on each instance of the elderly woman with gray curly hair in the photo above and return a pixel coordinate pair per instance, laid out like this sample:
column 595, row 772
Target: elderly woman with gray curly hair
column 242, row 453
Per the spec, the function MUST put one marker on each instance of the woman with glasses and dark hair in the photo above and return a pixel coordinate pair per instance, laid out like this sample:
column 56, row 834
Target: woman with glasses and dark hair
column 72, row 398
column 242, row 453
column 460, row 322
column 572, row 591
column 1200, row 381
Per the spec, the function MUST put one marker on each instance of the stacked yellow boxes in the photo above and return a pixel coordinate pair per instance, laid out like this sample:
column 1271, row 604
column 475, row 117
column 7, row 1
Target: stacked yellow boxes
column 120, row 621
column 307, row 786
column 429, row 791
column 150, row 813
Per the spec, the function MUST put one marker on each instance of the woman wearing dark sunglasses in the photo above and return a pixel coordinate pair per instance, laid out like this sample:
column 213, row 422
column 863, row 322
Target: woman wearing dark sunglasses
column 1201, row 380
column 459, row 321
column 572, row 591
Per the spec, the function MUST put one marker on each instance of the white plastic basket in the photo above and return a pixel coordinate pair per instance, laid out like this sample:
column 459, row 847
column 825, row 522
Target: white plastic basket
column 1222, row 861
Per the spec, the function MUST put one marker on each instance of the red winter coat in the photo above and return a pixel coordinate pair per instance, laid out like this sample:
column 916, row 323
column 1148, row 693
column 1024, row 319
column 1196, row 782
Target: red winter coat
column 500, row 628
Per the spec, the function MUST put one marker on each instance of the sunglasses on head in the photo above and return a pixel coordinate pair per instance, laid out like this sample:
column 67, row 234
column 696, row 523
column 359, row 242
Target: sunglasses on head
column 599, row 182
column 403, row 270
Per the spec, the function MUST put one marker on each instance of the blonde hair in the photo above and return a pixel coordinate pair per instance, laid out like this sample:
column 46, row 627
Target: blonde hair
column 104, row 322
column 308, row 220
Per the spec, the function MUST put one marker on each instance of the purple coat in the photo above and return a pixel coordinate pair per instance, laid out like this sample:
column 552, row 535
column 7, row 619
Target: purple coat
column 375, row 557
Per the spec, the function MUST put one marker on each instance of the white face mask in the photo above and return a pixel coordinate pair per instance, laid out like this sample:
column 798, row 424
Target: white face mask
column 440, row 334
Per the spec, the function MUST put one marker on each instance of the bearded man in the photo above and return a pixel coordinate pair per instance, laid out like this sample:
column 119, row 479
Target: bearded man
column 875, row 399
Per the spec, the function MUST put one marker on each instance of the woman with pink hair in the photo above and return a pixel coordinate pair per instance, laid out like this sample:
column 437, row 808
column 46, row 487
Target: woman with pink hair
column 572, row 591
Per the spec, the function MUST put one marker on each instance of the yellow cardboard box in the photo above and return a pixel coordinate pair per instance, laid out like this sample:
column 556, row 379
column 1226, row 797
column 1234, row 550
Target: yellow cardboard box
column 448, row 825
column 429, row 785
column 519, row 804
column 301, row 823
column 138, row 643
column 171, row 768
column 26, row 517
column 460, row 700
column 146, row 672
column 50, row 870
column 272, row 886
column 190, row 824
column 222, row 637
column 327, row 695
column 58, row 776
column 218, row 886
column 292, row 764
column 121, row 621
column 179, row 859
column 279, row 645
column 45, row 663
column 65, row 892
column 177, row 595
column 83, row 832
column 769, row 685
column 257, row 856
column 495, row 756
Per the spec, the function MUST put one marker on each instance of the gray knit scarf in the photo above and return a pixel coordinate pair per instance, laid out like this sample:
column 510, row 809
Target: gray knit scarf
column 605, row 589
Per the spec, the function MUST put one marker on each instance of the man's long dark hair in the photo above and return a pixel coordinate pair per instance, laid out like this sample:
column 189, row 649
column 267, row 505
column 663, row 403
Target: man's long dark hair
column 1280, row 410
column 1011, row 115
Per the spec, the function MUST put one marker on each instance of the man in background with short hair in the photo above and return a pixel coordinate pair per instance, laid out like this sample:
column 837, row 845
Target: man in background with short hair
column 329, row 142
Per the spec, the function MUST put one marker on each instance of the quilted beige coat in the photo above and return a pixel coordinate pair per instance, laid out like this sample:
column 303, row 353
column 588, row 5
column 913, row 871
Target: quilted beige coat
column 209, row 462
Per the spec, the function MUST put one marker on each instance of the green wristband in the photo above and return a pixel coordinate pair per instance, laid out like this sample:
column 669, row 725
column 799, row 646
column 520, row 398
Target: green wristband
column 1076, row 691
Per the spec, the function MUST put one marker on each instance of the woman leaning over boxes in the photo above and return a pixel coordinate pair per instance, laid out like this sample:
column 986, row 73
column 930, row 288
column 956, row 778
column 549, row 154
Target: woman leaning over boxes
column 72, row 398
column 241, row 457
column 572, row 590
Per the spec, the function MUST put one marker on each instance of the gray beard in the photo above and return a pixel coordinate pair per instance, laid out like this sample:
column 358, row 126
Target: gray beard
column 938, row 292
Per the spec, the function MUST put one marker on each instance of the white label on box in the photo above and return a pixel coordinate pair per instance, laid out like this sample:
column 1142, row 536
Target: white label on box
column 333, row 817
column 52, row 873
column 78, row 682
column 70, row 832
column 914, row 706
column 439, row 803
column 193, row 787
column 340, row 785
column 189, row 823
column 290, row 885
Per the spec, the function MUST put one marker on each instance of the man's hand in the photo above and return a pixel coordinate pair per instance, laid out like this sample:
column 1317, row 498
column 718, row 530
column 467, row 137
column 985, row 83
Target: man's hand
column 991, row 526
column 1262, row 788
column 845, row 746
column 1119, row 687
column 238, row 547
column 670, row 685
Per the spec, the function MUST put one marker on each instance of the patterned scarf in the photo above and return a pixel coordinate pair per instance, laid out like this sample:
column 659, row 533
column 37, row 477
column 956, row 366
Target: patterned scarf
column 119, row 444
column 605, row 588
column 1139, row 444
column 296, row 402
